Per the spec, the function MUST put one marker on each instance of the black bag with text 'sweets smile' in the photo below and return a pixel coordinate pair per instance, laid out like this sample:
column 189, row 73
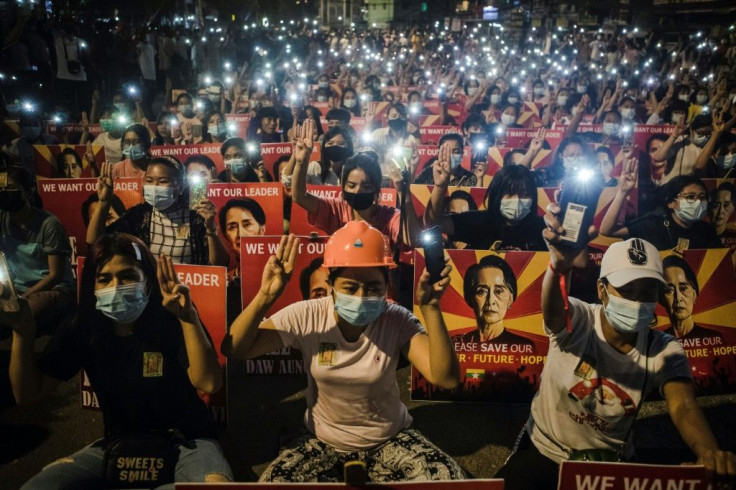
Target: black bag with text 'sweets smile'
column 141, row 460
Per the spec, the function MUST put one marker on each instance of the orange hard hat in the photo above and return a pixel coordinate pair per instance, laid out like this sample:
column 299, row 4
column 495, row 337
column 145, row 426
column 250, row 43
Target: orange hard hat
column 358, row 244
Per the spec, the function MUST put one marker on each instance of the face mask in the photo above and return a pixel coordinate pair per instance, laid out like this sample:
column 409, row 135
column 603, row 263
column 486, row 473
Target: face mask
column 515, row 209
column 582, row 89
column 359, row 201
column 323, row 84
column 416, row 107
column 472, row 91
column 513, row 100
column 123, row 304
column 107, row 124
column 186, row 109
column 701, row 99
column 160, row 197
column 455, row 160
column 358, row 310
column 236, row 165
column 495, row 99
column 627, row 113
column 684, row 97
column 571, row 162
column 134, row 152
column 30, row 132
column 539, row 91
column 507, row 119
column 214, row 98
column 398, row 125
column 609, row 129
column 690, row 213
column 349, row 103
column 321, row 98
column 628, row 316
column 353, row 80
column 121, row 106
column 676, row 118
column 562, row 100
column 699, row 139
column 335, row 153
column 727, row 160
column 11, row 201
column 217, row 130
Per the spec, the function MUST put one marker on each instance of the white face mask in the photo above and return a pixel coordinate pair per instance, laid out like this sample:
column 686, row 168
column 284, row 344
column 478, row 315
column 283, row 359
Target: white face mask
column 508, row 119
column 513, row 100
column 562, row 100
column 684, row 97
column 627, row 113
column 691, row 212
column 495, row 99
column 582, row 89
column 349, row 103
column 727, row 160
column 701, row 99
column 515, row 209
column 699, row 139
column 676, row 118
column 539, row 91
column 472, row 91
column 610, row 129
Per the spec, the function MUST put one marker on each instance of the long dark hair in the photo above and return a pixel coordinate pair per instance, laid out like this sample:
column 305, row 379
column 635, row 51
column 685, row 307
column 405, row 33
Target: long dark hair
column 513, row 179
column 323, row 161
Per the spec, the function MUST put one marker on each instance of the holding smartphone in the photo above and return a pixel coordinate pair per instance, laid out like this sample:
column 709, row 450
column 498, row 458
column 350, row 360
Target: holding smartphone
column 578, row 201
column 198, row 187
column 196, row 130
column 8, row 297
column 434, row 255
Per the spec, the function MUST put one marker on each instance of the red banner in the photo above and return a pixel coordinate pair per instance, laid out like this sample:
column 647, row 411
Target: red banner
column 273, row 152
column 578, row 475
column 237, row 124
column 431, row 134
column 504, row 367
column 183, row 152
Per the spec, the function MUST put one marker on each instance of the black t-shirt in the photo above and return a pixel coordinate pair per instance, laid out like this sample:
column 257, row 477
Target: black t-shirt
column 140, row 380
column 478, row 230
column 664, row 233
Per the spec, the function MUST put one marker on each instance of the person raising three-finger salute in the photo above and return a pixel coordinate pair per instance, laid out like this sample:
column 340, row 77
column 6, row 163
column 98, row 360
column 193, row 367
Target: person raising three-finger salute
column 351, row 342
column 602, row 362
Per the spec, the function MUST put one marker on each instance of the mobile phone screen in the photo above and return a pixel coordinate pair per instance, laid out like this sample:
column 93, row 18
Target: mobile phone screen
column 434, row 255
column 197, row 191
column 8, row 297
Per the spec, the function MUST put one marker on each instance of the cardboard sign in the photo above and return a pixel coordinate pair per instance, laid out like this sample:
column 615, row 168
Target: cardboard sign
column 300, row 225
column 506, row 368
column 701, row 314
column 259, row 250
column 65, row 198
column 237, row 204
column 47, row 159
column 207, row 285
column 579, row 475
column 182, row 153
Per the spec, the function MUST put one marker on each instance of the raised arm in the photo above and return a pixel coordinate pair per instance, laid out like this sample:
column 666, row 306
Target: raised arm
column 665, row 151
column 441, row 168
column 626, row 183
column 249, row 335
column 302, row 151
column 96, row 227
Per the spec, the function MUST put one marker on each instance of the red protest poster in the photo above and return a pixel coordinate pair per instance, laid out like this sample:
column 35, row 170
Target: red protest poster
column 496, row 327
column 299, row 224
column 237, row 124
column 183, row 152
column 520, row 138
column 74, row 161
column 421, row 194
column 643, row 133
column 428, row 154
column 309, row 281
column 72, row 200
column 431, row 134
column 246, row 209
column 699, row 309
column 719, row 207
column 602, row 476
column 62, row 130
column 274, row 152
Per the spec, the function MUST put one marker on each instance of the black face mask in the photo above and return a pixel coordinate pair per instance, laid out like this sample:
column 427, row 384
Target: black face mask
column 359, row 201
column 11, row 201
column 398, row 125
column 335, row 153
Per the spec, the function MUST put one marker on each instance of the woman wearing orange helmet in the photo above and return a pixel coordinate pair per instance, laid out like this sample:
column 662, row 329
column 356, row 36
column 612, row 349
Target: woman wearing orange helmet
column 351, row 342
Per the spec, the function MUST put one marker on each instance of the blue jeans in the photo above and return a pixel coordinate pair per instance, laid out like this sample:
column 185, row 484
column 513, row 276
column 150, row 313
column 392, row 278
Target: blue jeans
column 203, row 461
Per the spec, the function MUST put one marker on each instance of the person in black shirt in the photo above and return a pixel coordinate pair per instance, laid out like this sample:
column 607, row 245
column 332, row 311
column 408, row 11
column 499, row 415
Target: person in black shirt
column 510, row 218
column 138, row 337
column 678, row 222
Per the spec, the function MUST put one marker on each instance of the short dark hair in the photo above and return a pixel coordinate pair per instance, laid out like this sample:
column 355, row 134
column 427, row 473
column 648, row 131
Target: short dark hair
column 475, row 120
column 236, row 141
column 701, row 121
column 465, row 196
column 470, row 282
column 117, row 206
column 724, row 186
column 201, row 159
column 676, row 185
column 306, row 275
column 339, row 114
column 142, row 132
column 451, row 137
column 677, row 261
column 245, row 203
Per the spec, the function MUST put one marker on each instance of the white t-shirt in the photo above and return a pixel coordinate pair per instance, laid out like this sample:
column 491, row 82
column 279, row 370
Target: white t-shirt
column 685, row 155
column 113, row 147
column 73, row 53
column 589, row 391
column 146, row 60
column 353, row 399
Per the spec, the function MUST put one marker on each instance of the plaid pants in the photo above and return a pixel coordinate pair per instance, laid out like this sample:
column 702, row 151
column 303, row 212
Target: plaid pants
column 406, row 456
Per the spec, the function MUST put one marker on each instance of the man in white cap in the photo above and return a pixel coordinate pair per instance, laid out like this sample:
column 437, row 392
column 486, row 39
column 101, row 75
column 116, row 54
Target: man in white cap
column 602, row 362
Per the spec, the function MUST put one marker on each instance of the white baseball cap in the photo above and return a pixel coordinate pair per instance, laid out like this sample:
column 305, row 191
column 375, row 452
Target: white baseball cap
column 630, row 260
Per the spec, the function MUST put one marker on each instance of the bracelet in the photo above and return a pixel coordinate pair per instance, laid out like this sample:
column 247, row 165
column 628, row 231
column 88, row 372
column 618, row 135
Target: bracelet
column 555, row 271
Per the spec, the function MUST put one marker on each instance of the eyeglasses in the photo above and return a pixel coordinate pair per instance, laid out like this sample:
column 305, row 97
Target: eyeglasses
column 684, row 289
column 691, row 198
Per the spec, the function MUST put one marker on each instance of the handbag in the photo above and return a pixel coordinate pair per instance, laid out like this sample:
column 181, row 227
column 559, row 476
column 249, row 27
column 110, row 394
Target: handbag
column 145, row 460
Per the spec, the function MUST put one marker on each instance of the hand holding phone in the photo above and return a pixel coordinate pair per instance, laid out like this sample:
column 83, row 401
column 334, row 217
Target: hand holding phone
column 578, row 200
column 8, row 297
column 434, row 255
column 198, row 187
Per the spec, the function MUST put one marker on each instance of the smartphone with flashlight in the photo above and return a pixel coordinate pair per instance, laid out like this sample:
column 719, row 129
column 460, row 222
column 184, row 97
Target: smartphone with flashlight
column 578, row 200
column 198, row 187
column 196, row 130
column 8, row 297
column 434, row 254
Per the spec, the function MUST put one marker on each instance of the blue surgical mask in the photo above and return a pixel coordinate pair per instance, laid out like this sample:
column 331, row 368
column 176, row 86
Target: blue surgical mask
column 134, row 152
column 455, row 160
column 627, row 316
column 726, row 161
column 699, row 139
column 121, row 106
column 515, row 209
column 236, row 165
column 217, row 130
column 123, row 304
column 691, row 212
column 610, row 129
column 359, row 310
column 160, row 197
column 30, row 132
